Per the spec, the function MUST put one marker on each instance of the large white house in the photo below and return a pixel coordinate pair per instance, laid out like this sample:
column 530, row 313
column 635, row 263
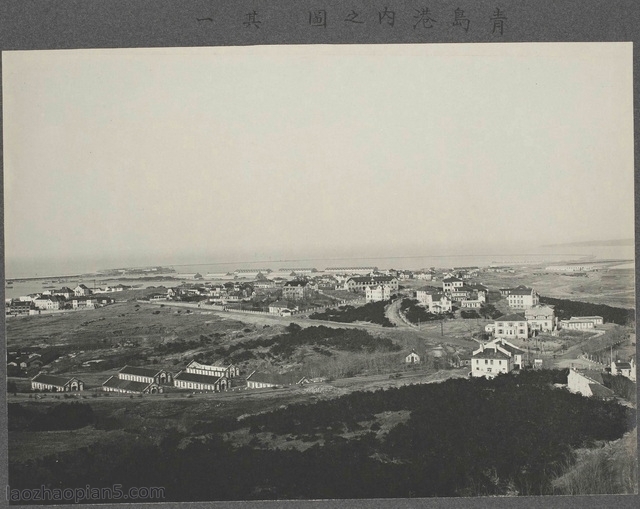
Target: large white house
column 451, row 283
column 510, row 326
column 497, row 356
column 522, row 297
column 377, row 293
column 436, row 302
column 541, row 318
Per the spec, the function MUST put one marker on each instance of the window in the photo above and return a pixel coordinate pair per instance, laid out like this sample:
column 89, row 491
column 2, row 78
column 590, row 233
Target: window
column 486, row 361
column 491, row 361
column 499, row 362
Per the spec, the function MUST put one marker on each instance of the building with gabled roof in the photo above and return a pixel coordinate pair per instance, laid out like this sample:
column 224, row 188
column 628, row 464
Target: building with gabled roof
column 360, row 283
column 451, row 283
column 377, row 293
column 412, row 358
column 126, row 386
column 258, row 380
column 81, row 290
column 230, row 371
column 53, row 383
column 496, row 357
column 147, row 375
column 541, row 318
column 626, row 369
column 589, row 383
column 201, row 382
column 522, row 297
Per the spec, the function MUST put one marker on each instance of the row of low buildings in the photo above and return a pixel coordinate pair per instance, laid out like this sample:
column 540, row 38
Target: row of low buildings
column 142, row 380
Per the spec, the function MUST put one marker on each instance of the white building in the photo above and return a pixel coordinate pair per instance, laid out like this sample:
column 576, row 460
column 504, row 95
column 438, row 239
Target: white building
column 229, row 371
column 51, row 383
column 451, row 283
column 435, row 302
column 626, row 369
column 412, row 358
column 581, row 322
column 522, row 297
column 377, row 293
column 541, row 318
column 495, row 357
column 511, row 326
column 360, row 283
column 588, row 383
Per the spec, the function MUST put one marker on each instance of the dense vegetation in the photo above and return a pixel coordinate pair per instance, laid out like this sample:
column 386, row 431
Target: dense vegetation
column 63, row 416
column 282, row 346
column 461, row 437
column 372, row 312
column 622, row 386
column 565, row 309
column 416, row 313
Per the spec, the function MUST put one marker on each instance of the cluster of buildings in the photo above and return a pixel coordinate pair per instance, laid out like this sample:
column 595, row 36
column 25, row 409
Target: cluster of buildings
column 53, row 300
column 454, row 289
column 195, row 376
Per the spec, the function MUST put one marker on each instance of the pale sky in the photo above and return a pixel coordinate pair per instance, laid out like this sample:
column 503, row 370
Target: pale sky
column 189, row 153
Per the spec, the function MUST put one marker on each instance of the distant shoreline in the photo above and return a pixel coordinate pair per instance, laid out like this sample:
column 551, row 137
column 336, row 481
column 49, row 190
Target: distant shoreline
column 169, row 275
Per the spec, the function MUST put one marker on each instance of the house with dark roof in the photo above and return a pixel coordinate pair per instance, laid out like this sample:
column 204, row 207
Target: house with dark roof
column 52, row 383
column 451, row 283
column 297, row 289
column 496, row 357
column 522, row 297
column 509, row 326
column 541, row 318
column 589, row 383
column 230, row 371
column 201, row 382
column 626, row 369
column 360, row 283
column 47, row 302
column 81, row 291
column 258, row 380
column 126, row 386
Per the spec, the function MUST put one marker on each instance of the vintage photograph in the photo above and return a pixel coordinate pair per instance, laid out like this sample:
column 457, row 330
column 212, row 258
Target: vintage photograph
column 319, row 272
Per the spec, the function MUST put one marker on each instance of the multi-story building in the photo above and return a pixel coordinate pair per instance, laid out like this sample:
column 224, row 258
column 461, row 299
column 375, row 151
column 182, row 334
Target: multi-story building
column 511, row 326
column 540, row 318
column 522, row 297
column 360, row 283
column 436, row 302
column 377, row 293
column 496, row 357
column 296, row 290
column 451, row 283
column 626, row 369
